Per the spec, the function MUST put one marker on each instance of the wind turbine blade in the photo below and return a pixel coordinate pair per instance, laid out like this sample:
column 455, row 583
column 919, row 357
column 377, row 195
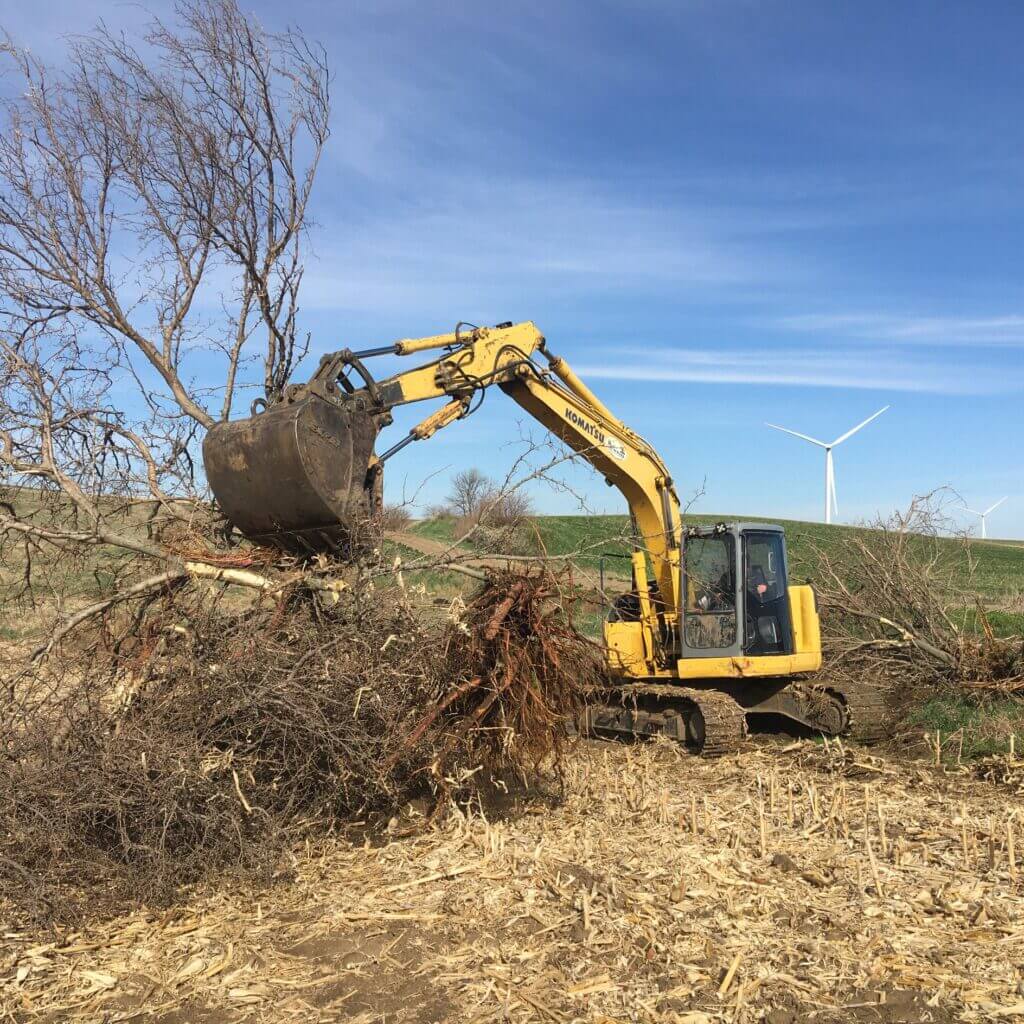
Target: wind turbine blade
column 850, row 433
column 786, row 430
column 832, row 485
column 974, row 511
column 991, row 508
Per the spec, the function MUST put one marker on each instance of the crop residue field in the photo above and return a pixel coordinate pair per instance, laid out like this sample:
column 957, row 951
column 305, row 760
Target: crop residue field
column 789, row 882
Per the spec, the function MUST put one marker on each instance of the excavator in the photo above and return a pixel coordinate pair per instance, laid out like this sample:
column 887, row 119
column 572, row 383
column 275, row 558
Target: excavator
column 711, row 631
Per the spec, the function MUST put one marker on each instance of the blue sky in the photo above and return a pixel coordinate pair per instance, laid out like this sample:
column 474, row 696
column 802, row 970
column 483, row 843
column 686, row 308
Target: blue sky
column 721, row 213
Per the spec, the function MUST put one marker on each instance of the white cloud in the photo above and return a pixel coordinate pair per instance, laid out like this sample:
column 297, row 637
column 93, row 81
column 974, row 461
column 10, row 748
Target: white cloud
column 877, row 369
column 487, row 242
column 1005, row 330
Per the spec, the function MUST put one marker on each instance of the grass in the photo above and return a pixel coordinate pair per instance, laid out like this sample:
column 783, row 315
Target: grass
column 986, row 726
column 999, row 572
column 1006, row 623
column 589, row 620
column 435, row 529
column 437, row 582
column 1001, row 621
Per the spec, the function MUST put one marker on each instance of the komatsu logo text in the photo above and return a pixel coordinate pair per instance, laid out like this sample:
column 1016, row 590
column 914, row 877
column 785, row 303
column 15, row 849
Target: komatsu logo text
column 609, row 444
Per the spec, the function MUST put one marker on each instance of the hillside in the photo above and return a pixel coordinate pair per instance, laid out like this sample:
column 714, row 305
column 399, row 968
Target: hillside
column 999, row 571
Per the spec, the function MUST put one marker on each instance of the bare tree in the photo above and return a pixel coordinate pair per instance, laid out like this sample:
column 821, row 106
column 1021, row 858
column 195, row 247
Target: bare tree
column 469, row 489
column 153, row 206
column 474, row 496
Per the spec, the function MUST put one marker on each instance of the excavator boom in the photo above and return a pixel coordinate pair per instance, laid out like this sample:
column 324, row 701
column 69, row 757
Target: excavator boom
column 300, row 472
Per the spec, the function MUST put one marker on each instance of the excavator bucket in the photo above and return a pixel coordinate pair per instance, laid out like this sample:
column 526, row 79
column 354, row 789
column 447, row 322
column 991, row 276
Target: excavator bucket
column 298, row 475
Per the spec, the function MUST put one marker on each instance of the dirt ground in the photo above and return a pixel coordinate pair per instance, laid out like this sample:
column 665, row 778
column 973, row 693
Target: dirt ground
column 790, row 882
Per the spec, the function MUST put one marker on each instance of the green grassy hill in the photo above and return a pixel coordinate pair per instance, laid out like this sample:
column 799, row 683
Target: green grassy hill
column 998, row 576
column 999, row 571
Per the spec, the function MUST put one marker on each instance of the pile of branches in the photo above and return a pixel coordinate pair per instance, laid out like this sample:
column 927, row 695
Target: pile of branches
column 899, row 606
column 207, row 739
column 187, row 705
column 522, row 675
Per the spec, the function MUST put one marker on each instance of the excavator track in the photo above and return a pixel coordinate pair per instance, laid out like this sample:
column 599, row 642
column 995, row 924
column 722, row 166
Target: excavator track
column 870, row 718
column 706, row 721
column 858, row 710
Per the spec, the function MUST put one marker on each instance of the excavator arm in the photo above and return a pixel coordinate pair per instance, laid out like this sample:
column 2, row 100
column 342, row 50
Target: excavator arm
column 295, row 472
column 553, row 395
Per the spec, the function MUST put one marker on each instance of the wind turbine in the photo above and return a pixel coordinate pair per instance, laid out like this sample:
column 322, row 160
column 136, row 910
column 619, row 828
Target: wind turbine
column 982, row 515
column 831, row 505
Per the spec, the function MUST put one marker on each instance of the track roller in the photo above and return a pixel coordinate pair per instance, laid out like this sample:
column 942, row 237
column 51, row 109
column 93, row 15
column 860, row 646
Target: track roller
column 705, row 721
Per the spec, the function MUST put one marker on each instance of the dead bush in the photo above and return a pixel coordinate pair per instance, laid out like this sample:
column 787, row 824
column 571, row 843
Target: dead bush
column 499, row 538
column 488, row 513
column 507, row 508
column 899, row 606
column 395, row 518
column 205, row 748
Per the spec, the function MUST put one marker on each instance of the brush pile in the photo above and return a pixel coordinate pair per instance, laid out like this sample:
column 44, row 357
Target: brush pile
column 899, row 607
column 522, row 673
column 210, row 740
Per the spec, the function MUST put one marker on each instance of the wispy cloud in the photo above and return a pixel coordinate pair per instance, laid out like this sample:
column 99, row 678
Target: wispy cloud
column 835, row 368
column 489, row 241
column 1005, row 330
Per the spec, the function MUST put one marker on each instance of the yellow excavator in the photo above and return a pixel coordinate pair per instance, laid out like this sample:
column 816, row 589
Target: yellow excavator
column 711, row 630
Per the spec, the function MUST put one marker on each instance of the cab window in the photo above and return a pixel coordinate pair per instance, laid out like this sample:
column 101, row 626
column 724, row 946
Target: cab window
column 765, row 570
column 710, row 581
column 710, row 613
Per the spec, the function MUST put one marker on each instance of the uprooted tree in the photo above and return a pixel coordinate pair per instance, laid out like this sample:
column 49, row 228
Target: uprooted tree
column 189, row 704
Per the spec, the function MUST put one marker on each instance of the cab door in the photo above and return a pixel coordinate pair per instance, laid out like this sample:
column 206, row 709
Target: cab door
column 767, row 620
column 712, row 597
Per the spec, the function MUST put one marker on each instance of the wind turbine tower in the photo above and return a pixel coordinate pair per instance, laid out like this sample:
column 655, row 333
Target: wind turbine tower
column 831, row 505
column 982, row 515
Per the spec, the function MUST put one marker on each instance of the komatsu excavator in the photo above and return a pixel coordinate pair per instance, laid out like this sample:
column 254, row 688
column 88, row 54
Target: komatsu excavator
column 711, row 631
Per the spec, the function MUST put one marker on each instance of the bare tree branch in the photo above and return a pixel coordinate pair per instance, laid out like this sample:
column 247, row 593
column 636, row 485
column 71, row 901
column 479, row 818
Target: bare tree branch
column 145, row 586
column 144, row 184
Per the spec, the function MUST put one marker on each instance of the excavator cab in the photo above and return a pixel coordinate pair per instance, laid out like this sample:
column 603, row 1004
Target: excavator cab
column 738, row 613
column 736, row 592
